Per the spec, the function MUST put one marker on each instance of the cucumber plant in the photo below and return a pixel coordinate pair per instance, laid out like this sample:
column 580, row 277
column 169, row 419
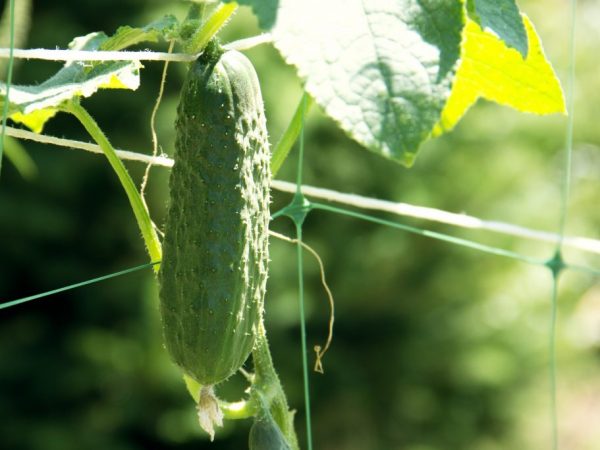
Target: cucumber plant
column 387, row 97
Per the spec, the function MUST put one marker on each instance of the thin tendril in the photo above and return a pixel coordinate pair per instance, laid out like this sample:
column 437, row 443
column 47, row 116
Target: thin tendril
column 161, row 90
column 154, row 136
column 320, row 351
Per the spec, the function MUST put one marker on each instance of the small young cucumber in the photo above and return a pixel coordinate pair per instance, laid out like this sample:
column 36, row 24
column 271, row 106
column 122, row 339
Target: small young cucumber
column 265, row 434
column 215, row 252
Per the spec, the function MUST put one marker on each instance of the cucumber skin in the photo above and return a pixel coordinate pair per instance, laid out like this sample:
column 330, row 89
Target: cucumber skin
column 215, row 251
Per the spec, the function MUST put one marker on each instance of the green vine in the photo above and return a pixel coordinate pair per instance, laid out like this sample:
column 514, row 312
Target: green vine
column 290, row 135
column 140, row 210
column 202, row 35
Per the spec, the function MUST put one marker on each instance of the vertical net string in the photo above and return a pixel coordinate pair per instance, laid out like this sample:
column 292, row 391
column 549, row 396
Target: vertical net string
column 301, row 282
column 556, row 264
column 297, row 210
column 9, row 71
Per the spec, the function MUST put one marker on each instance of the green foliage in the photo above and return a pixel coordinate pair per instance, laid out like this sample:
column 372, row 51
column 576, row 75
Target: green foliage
column 491, row 70
column 387, row 77
column 126, row 36
column 35, row 105
column 266, row 11
column 502, row 18
column 383, row 75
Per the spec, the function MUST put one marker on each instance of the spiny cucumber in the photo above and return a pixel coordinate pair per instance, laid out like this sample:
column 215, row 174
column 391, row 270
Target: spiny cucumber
column 215, row 251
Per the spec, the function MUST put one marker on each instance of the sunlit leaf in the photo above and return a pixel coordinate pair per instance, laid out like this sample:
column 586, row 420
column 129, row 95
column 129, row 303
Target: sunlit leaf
column 382, row 70
column 502, row 18
column 127, row 36
column 34, row 105
column 491, row 70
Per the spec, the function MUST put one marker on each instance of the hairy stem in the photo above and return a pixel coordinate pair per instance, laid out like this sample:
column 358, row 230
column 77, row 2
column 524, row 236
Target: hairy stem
column 209, row 28
column 283, row 147
column 267, row 386
column 139, row 209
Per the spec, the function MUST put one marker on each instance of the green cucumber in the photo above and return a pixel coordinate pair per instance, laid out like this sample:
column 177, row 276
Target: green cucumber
column 265, row 434
column 215, row 251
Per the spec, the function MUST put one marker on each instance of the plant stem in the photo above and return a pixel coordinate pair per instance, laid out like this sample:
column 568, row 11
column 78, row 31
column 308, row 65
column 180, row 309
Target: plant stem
column 209, row 28
column 267, row 385
column 140, row 211
column 283, row 147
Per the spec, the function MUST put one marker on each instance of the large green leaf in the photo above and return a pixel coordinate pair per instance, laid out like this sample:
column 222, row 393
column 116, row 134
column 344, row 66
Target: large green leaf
column 34, row 105
column 265, row 10
column 383, row 70
column 501, row 17
column 491, row 70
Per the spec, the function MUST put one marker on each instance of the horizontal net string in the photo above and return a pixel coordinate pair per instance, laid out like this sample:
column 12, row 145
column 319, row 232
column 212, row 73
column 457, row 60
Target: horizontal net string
column 402, row 209
column 452, row 239
column 87, row 55
column 431, row 234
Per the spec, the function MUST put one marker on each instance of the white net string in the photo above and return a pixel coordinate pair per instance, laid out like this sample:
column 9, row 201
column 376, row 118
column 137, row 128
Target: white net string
column 401, row 209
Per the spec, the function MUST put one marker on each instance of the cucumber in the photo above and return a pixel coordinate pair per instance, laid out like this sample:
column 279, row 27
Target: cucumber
column 265, row 434
column 215, row 251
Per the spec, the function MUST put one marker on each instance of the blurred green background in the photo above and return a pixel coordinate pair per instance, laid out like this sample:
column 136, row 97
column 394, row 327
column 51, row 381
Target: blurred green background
column 436, row 347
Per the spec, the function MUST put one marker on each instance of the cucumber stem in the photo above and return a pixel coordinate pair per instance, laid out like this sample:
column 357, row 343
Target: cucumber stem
column 267, row 387
column 213, row 24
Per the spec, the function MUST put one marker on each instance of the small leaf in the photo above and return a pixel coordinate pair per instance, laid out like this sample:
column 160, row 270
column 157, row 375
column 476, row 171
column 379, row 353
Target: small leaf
column 34, row 120
column 383, row 70
column 491, row 70
column 502, row 18
column 34, row 105
column 127, row 36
